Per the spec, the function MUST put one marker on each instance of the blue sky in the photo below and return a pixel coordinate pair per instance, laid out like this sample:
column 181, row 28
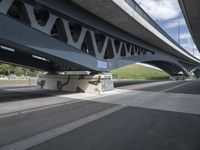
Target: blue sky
column 168, row 15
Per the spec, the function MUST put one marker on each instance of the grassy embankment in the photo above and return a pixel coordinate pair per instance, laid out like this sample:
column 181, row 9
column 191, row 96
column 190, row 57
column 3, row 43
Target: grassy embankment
column 138, row 72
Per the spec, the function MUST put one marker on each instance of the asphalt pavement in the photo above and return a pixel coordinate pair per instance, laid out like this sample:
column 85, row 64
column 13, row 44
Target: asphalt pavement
column 138, row 116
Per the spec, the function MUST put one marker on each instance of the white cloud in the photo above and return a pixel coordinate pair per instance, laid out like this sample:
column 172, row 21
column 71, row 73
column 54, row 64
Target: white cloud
column 191, row 48
column 175, row 23
column 161, row 9
column 169, row 10
column 188, row 46
column 185, row 36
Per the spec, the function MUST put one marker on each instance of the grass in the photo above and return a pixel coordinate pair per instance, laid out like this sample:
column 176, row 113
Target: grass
column 138, row 72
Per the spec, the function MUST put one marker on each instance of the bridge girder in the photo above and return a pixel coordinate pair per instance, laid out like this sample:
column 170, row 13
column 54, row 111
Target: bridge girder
column 35, row 29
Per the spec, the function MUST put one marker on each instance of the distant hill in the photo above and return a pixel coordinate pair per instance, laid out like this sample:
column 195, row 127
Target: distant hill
column 138, row 72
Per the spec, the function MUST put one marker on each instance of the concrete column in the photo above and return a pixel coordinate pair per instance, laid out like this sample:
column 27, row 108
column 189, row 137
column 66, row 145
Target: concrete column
column 94, row 84
column 179, row 77
column 197, row 74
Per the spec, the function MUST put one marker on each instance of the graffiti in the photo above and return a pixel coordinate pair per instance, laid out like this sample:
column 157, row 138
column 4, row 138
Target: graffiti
column 41, row 83
column 79, row 90
column 95, row 82
column 107, row 84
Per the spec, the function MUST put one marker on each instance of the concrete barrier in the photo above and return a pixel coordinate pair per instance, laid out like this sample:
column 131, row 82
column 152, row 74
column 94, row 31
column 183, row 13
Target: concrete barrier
column 18, row 82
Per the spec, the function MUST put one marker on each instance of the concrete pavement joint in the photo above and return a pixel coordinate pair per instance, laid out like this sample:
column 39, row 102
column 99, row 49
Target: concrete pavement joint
column 48, row 135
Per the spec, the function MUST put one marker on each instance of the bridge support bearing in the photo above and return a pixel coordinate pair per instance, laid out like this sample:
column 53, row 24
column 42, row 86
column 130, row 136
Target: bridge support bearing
column 94, row 84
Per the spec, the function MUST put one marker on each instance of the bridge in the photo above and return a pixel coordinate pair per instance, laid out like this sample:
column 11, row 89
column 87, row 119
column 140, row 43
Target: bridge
column 86, row 35
column 94, row 37
column 191, row 13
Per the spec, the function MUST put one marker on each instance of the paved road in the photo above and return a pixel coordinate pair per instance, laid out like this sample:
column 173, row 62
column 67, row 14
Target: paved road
column 153, row 116
column 122, row 83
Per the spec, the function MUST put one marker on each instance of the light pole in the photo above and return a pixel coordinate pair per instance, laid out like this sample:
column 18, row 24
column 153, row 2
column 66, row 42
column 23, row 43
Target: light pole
column 178, row 30
column 193, row 47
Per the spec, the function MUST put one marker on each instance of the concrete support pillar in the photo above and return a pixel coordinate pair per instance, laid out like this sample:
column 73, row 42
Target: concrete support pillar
column 95, row 84
column 197, row 74
column 179, row 77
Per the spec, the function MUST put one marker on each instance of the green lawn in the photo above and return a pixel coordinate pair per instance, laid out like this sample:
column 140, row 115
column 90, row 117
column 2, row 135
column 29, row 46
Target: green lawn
column 138, row 72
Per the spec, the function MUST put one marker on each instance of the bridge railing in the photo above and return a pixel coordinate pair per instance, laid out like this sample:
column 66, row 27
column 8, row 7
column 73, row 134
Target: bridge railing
column 142, row 13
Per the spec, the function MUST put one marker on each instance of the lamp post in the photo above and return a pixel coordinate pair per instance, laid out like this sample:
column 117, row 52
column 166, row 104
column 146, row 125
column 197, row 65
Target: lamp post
column 178, row 30
column 193, row 49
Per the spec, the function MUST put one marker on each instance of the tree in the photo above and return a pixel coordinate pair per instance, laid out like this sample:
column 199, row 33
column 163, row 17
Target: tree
column 6, row 70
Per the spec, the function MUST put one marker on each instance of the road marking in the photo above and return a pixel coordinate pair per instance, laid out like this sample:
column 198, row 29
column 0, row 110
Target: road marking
column 48, row 135
column 145, row 85
column 175, row 87
column 153, row 94
column 37, row 109
column 76, row 97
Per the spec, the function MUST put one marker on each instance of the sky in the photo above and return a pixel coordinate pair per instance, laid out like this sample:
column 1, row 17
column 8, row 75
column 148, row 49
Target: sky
column 168, row 15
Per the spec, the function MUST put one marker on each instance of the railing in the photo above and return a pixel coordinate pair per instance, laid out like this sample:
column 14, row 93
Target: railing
column 142, row 13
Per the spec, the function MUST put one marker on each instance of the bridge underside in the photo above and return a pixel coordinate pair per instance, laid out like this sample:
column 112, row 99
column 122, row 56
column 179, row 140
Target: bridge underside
column 45, row 39
column 197, row 73
column 190, row 10
column 31, row 58
column 171, row 69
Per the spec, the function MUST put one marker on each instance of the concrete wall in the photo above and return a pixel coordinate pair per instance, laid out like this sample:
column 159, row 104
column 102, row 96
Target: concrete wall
column 17, row 82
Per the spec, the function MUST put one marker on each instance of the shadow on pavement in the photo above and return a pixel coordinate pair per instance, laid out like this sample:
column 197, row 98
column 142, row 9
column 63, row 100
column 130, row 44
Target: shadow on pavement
column 133, row 128
column 181, row 87
column 21, row 93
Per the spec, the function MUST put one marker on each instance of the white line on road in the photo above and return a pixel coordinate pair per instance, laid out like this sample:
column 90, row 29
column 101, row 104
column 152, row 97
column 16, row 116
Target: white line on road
column 175, row 87
column 48, row 135
column 145, row 85
column 155, row 94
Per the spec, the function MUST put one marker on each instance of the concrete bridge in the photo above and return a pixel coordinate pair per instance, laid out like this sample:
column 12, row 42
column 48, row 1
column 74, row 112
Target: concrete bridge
column 191, row 13
column 88, row 35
